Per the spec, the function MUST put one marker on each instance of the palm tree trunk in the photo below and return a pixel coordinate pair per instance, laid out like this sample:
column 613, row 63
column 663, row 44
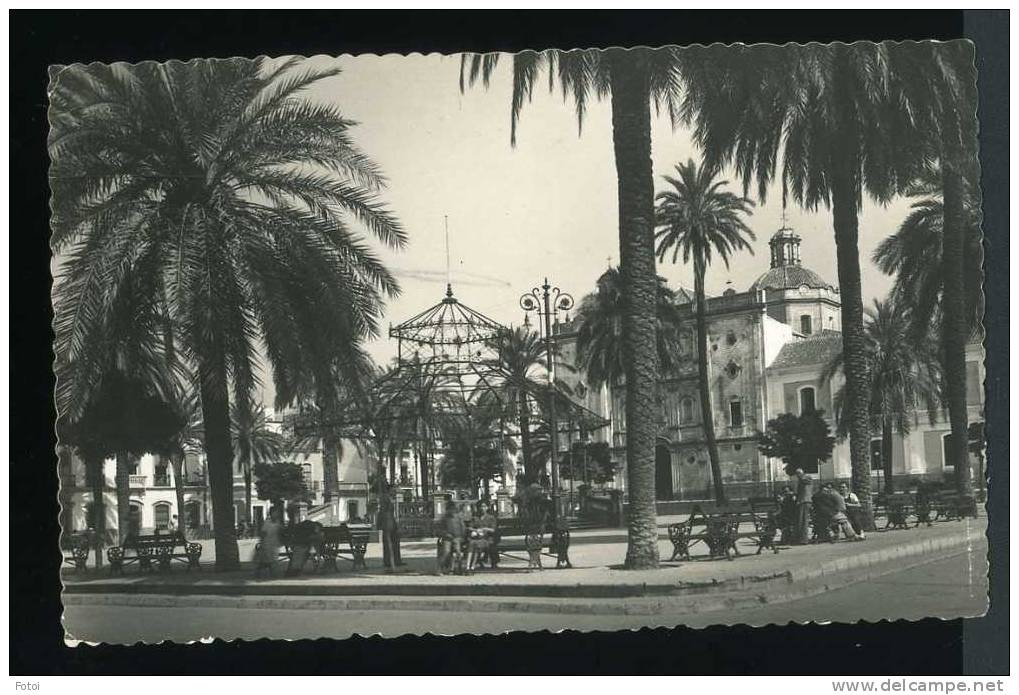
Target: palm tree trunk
column 177, row 463
column 886, row 454
column 392, row 462
column 244, row 458
column 631, row 136
column 707, row 413
column 247, row 493
column 330, row 468
column 96, row 474
column 123, row 483
column 953, row 305
column 525, row 439
column 330, row 464
column 845, row 205
column 216, row 421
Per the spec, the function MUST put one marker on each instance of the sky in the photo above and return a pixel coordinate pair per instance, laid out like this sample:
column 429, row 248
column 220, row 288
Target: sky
column 546, row 207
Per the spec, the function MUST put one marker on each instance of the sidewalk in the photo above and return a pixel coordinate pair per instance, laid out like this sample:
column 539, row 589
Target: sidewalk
column 595, row 575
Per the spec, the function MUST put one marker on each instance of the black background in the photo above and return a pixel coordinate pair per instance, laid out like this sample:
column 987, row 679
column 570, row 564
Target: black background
column 39, row 39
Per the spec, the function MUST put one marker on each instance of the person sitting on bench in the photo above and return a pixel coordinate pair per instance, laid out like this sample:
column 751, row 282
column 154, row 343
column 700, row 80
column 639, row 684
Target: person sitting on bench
column 482, row 535
column 451, row 531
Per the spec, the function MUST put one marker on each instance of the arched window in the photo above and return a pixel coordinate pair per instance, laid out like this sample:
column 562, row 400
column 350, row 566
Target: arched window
column 161, row 515
column 805, row 325
column 686, row 410
column 807, row 400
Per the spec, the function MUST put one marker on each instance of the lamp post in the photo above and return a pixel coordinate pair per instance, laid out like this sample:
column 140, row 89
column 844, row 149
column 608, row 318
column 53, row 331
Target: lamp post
column 547, row 301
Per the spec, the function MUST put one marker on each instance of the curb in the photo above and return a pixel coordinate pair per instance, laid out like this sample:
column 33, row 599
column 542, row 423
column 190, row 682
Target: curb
column 643, row 599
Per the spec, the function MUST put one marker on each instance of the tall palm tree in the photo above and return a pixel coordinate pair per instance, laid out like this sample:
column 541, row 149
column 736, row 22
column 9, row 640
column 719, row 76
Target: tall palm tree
column 632, row 79
column 218, row 181
column 599, row 320
column 904, row 377
column 937, row 85
column 913, row 256
column 254, row 443
column 698, row 218
column 826, row 113
column 188, row 438
column 519, row 380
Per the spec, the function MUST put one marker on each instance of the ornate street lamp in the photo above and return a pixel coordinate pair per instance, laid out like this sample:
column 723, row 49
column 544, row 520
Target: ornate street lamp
column 547, row 301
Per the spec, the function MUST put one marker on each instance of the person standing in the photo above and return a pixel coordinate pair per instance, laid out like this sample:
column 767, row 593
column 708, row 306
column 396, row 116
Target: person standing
column 268, row 550
column 390, row 532
column 804, row 495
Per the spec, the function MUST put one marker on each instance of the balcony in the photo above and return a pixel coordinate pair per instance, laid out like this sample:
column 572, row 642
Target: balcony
column 136, row 481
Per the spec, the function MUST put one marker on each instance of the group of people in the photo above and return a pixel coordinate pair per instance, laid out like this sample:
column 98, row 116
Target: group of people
column 828, row 509
column 477, row 536
column 480, row 534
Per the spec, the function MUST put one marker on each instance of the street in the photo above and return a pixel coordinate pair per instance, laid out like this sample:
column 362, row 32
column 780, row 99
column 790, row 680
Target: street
column 949, row 587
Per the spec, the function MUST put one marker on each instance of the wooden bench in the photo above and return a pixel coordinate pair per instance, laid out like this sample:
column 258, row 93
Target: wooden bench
column 163, row 548
column 75, row 548
column 333, row 543
column 719, row 530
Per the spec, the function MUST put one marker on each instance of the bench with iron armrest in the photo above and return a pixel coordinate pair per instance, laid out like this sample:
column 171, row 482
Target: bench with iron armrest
column 75, row 548
column 334, row 542
column 949, row 505
column 161, row 548
column 515, row 535
column 719, row 530
column 897, row 508
column 767, row 520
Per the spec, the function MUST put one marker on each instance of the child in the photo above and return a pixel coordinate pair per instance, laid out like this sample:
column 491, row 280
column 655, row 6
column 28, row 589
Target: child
column 451, row 532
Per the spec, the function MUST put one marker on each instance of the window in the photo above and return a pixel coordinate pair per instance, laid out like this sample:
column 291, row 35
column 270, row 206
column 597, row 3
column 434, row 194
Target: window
column 730, row 338
column 162, row 476
column 805, row 325
column 946, row 453
column 876, row 464
column 732, row 370
column 161, row 515
column 807, row 403
column 686, row 410
column 351, row 509
column 735, row 413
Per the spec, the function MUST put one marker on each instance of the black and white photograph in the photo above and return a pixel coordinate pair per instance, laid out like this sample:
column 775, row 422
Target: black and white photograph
column 590, row 339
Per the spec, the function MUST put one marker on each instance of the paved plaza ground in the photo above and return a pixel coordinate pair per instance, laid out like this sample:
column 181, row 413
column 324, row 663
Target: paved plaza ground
column 948, row 586
column 595, row 555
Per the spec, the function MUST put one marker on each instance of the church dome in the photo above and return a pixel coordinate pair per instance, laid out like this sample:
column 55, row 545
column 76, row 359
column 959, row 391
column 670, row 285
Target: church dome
column 786, row 273
column 790, row 277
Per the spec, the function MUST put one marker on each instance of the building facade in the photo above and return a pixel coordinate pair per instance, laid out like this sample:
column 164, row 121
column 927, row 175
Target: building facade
column 768, row 352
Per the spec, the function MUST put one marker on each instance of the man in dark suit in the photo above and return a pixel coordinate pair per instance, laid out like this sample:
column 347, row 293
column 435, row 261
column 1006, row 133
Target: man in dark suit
column 390, row 532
